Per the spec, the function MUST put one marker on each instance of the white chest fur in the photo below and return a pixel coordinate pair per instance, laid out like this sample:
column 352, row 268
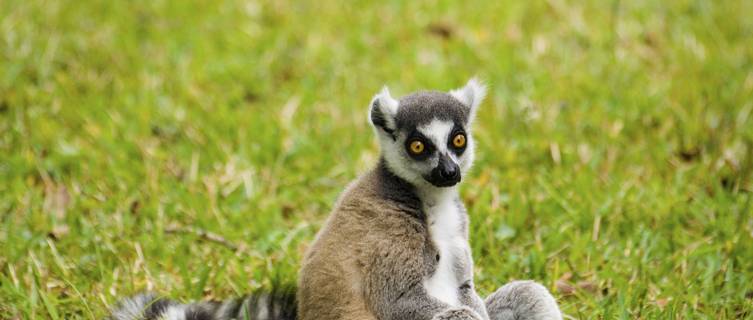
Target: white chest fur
column 445, row 228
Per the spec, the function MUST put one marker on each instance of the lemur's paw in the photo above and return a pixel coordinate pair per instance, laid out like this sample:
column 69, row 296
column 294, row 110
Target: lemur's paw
column 522, row 300
column 461, row 313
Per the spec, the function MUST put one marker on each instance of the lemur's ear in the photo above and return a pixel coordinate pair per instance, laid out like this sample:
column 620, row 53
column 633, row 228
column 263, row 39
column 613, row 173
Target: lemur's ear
column 383, row 111
column 471, row 96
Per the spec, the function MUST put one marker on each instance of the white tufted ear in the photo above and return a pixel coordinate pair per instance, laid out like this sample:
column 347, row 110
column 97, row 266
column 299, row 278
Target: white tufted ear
column 383, row 111
column 471, row 96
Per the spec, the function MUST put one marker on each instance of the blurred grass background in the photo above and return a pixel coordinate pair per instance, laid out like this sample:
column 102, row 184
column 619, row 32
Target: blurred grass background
column 614, row 163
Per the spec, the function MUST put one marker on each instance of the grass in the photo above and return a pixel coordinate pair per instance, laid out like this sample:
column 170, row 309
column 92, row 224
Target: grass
column 615, row 150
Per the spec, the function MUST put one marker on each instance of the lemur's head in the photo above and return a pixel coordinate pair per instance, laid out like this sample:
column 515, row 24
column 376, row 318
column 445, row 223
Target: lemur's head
column 426, row 136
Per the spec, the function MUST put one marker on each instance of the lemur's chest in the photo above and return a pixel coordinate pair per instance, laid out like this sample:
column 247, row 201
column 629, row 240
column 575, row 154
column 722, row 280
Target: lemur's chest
column 446, row 224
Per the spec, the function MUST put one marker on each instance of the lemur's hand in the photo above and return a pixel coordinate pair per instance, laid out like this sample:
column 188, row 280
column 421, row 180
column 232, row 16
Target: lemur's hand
column 460, row 313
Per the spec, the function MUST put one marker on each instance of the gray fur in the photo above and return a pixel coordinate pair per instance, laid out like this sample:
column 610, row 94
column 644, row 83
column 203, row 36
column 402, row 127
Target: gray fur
column 522, row 300
column 422, row 107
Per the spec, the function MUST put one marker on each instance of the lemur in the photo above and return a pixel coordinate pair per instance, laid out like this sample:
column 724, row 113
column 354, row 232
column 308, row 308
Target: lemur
column 396, row 243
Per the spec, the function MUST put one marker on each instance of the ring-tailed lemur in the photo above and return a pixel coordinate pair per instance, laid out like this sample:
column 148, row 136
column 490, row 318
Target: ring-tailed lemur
column 396, row 244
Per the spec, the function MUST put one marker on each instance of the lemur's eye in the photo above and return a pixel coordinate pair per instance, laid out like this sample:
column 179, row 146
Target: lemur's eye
column 459, row 140
column 417, row 147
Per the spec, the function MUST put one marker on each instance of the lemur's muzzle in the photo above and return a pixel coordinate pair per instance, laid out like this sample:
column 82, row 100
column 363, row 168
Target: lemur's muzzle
column 446, row 174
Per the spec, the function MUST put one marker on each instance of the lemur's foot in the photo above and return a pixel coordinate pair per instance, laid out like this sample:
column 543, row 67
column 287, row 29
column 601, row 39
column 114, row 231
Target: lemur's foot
column 522, row 300
column 460, row 313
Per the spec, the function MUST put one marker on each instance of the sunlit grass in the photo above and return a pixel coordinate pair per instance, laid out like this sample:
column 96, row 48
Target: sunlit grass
column 615, row 157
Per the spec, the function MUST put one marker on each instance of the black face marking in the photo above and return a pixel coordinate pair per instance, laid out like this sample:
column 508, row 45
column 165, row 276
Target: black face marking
column 429, row 147
column 451, row 145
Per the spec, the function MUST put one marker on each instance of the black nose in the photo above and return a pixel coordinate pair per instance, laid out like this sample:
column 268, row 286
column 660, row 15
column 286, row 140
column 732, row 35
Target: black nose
column 450, row 172
column 446, row 173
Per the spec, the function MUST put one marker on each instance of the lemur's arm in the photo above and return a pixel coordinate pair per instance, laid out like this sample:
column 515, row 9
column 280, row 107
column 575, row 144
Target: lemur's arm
column 394, row 284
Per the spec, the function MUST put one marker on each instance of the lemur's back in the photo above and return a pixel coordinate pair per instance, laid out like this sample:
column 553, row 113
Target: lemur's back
column 375, row 214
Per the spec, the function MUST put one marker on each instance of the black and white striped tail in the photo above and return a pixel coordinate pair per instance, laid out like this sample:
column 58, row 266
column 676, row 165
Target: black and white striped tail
column 279, row 304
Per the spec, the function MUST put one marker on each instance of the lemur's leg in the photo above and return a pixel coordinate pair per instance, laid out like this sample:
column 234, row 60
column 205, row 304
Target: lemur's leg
column 522, row 300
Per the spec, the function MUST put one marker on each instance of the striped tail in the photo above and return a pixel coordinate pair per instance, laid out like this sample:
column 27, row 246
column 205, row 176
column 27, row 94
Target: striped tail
column 279, row 304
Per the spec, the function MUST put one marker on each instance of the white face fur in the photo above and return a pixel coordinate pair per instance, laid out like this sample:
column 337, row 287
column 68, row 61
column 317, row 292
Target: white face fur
column 425, row 137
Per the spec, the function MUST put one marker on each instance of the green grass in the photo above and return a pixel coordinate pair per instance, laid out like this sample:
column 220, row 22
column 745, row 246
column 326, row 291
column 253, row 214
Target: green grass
column 615, row 150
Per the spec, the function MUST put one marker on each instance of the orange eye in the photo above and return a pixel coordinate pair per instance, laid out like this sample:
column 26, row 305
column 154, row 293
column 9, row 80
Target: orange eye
column 459, row 140
column 416, row 147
